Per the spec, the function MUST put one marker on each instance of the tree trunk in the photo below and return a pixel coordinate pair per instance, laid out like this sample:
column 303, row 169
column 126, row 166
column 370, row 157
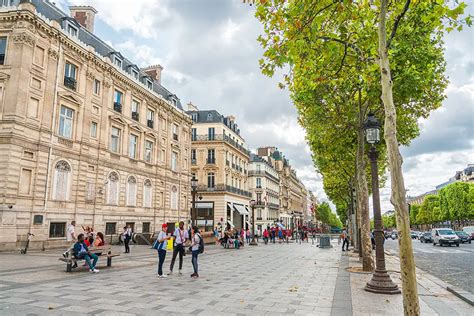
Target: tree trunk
column 398, row 195
column 363, row 200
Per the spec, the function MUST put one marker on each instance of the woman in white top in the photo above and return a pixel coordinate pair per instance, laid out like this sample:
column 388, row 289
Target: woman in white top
column 196, row 238
column 162, row 245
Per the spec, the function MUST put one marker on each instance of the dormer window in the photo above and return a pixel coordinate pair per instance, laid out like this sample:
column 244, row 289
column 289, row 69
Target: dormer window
column 209, row 116
column 6, row 3
column 71, row 30
column 134, row 73
column 194, row 117
column 118, row 61
column 149, row 84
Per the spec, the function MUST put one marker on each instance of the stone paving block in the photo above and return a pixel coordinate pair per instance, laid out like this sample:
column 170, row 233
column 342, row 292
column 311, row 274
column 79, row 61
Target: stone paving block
column 77, row 297
column 47, row 305
column 16, row 300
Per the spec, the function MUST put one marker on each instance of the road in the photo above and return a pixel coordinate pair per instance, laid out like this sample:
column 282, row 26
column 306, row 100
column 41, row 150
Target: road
column 454, row 265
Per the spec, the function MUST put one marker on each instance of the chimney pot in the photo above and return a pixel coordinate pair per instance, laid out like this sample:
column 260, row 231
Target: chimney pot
column 84, row 15
column 154, row 72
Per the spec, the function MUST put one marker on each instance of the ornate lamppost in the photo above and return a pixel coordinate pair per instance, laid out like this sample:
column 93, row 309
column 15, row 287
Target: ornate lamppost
column 381, row 281
column 253, row 242
column 194, row 184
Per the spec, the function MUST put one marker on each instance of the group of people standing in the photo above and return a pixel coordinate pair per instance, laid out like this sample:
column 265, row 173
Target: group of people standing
column 181, row 237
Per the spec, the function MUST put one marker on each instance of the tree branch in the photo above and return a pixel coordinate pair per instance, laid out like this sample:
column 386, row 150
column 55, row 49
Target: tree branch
column 397, row 22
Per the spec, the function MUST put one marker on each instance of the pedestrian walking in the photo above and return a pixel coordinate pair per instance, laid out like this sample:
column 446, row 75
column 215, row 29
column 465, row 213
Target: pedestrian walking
column 180, row 237
column 280, row 236
column 345, row 240
column 127, row 236
column 161, row 244
column 70, row 238
column 258, row 234
column 195, row 249
column 265, row 236
column 247, row 236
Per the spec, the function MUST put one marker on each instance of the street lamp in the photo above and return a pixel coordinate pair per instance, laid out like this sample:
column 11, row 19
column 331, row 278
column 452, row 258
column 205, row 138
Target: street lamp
column 381, row 281
column 194, row 184
column 253, row 242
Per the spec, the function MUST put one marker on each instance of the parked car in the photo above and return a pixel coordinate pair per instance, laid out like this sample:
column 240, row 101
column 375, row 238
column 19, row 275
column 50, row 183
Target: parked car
column 394, row 235
column 414, row 234
column 463, row 236
column 469, row 230
column 426, row 237
column 444, row 236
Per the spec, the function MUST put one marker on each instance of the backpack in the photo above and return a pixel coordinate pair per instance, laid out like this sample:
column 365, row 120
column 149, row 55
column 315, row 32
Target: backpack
column 201, row 244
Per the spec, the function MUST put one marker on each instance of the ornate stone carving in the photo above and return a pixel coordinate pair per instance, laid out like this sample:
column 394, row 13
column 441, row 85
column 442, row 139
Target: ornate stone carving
column 90, row 75
column 23, row 38
column 52, row 53
column 107, row 84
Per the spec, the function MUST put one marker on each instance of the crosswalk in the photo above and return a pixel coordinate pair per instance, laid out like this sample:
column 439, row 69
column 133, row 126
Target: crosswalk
column 452, row 250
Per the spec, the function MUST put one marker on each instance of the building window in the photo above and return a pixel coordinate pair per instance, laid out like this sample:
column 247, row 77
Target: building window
column 71, row 30
column 174, row 161
column 118, row 97
column 211, row 158
column 259, row 182
column 150, row 118
column 135, row 73
column 174, row 198
column 110, row 228
column 148, row 151
column 132, row 191
column 193, row 156
column 146, row 227
column 163, row 155
column 194, row 117
column 115, row 140
column 259, row 198
column 211, row 133
column 61, row 181
column 96, row 87
column 175, row 131
column 193, row 134
column 113, row 188
column 93, row 129
column 70, row 73
column 57, row 230
column 149, row 84
column 132, row 149
column 25, row 181
column 147, row 193
column 209, row 117
column 135, row 110
column 3, row 50
column 117, row 62
column 210, row 180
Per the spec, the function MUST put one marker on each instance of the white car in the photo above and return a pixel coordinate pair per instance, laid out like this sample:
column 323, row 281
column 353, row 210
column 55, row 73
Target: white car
column 444, row 236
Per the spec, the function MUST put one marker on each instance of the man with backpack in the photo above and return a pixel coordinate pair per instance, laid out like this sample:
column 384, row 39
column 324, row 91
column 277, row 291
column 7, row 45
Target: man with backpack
column 197, row 247
column 160, row 245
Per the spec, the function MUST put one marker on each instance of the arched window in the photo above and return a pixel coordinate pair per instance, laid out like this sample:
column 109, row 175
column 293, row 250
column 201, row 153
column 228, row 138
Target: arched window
column 113, row 188
column 132, row 191
column 62, row 180
column 147, row 193
column 174, row 198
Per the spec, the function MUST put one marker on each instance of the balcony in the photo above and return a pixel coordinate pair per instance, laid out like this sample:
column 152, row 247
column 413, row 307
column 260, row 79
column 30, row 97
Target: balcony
column 175, row 137
column 223, row 188
column 193, row 137
column 135, row 116
column 260, row 204
column 211, row 161
column 149, row 123
column 70, row 83
column 221, row 137
column 117, row 107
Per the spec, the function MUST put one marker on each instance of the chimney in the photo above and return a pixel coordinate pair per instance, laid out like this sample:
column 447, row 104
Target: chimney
column 154, row 72
column 84, row 15
column 192, row 107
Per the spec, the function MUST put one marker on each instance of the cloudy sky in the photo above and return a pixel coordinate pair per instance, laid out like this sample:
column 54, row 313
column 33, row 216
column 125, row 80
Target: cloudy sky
column 210, row 57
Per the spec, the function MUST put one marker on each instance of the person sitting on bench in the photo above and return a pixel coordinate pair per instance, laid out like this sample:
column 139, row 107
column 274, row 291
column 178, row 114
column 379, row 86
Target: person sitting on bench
column 82, row 252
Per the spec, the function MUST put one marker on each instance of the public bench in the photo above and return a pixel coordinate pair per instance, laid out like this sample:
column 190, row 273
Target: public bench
column 101, row 251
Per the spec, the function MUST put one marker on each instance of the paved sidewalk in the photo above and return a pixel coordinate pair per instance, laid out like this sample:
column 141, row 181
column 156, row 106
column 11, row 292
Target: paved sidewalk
column 276, row 279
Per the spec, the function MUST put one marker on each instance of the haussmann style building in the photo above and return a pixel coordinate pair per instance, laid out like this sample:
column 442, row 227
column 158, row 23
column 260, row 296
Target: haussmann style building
column 87, row 135
column 220, row 162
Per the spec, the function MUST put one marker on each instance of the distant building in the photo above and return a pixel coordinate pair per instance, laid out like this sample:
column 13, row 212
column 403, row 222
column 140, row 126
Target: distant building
column 220, row 161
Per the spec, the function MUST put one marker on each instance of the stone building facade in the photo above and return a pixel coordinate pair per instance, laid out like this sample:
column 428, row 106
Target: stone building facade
column 219, row 161
column 265, row 187
column 85, row 134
